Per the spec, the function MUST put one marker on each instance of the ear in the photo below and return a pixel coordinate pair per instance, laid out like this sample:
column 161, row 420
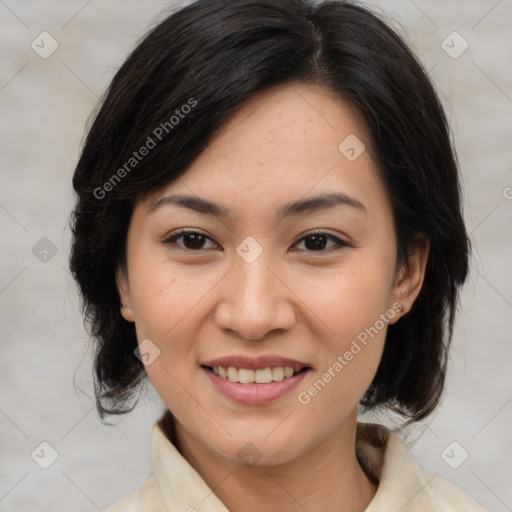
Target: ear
column 408, row 281
column 123, row 288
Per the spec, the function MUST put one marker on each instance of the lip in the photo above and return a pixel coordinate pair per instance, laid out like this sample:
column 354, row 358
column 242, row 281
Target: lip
column 254, row 394
column 256, row 363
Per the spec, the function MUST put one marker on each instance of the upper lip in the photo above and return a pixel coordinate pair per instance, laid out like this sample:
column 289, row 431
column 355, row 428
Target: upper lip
column 256, row 363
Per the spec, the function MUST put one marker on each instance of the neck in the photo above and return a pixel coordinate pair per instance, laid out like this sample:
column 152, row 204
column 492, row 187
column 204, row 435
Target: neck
column 327, row 477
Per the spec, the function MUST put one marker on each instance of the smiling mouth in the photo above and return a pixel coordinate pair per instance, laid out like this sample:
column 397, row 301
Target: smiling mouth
column 260, row 376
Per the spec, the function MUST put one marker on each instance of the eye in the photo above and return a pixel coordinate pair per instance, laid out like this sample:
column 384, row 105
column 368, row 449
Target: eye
column 195, row 241
column 317, row 241
column 192, row 240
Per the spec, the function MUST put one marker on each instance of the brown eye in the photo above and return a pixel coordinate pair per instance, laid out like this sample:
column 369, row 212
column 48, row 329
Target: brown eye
column 195, row 241
column 192, row 240
column 317, row 242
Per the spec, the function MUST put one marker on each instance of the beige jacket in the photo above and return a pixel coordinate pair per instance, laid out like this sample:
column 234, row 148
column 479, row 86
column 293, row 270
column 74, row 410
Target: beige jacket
column 403, row 485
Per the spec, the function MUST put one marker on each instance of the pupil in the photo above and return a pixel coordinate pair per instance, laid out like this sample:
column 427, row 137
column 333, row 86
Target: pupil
column 313, row 242
column 193, row 240
column 318, row 242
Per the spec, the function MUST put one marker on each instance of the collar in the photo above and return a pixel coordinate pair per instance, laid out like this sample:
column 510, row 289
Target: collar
column 181, row 485
column 403, row 485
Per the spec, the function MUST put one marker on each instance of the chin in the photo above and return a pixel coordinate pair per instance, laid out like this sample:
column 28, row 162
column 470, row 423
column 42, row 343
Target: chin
column 257, row 449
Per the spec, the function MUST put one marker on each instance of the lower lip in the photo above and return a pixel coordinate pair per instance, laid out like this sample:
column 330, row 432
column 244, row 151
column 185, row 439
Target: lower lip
column 255, row 394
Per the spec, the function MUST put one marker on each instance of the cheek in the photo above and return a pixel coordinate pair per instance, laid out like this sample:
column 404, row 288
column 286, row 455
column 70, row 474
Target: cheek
column 170, row 303
column 165, row 293
column 349, row 299
column 353, row 307
column 350, row 358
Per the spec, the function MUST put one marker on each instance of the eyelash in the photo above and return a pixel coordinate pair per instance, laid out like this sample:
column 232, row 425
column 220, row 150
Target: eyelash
column 175, row 236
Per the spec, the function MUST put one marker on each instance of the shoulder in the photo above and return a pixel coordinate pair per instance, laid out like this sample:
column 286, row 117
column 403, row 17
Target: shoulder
column 403, row 484
column 446, row 496
column 147, row 497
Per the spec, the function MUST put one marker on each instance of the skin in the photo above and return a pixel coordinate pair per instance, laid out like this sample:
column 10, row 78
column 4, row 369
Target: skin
column 292, row 301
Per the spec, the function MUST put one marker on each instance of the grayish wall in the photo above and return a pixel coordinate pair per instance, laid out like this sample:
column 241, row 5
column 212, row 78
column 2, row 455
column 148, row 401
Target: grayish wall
column 44, row 104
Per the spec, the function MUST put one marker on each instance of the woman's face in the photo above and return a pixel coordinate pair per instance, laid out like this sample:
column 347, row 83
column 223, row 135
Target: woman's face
column 292, row 272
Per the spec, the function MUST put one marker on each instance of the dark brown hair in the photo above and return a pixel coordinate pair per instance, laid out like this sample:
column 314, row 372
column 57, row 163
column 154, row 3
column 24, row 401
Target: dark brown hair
column 213, row 55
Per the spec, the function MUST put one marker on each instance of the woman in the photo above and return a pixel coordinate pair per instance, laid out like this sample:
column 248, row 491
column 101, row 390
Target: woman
column 268, row 225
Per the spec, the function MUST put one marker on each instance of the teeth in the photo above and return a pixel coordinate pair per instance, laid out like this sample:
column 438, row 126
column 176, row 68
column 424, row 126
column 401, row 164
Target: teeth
column 278, row 373
column 245, row 376
column 232, row 374
column 248, row 376
column 263, row 376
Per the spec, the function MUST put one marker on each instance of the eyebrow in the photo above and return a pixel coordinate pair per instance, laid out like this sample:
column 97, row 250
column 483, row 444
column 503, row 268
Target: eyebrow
column 313, row 204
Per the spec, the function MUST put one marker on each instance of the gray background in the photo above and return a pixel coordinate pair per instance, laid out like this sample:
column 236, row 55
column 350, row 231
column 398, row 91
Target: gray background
column 44, row 105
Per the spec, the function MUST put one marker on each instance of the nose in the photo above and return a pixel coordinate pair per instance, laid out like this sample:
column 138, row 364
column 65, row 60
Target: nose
column 255, row 299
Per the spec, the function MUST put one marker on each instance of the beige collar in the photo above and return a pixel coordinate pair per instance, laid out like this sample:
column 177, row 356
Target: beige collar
column 403, row 485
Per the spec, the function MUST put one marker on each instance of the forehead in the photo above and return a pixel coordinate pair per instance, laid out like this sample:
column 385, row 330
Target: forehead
column 286, row 142
column 286, row 124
